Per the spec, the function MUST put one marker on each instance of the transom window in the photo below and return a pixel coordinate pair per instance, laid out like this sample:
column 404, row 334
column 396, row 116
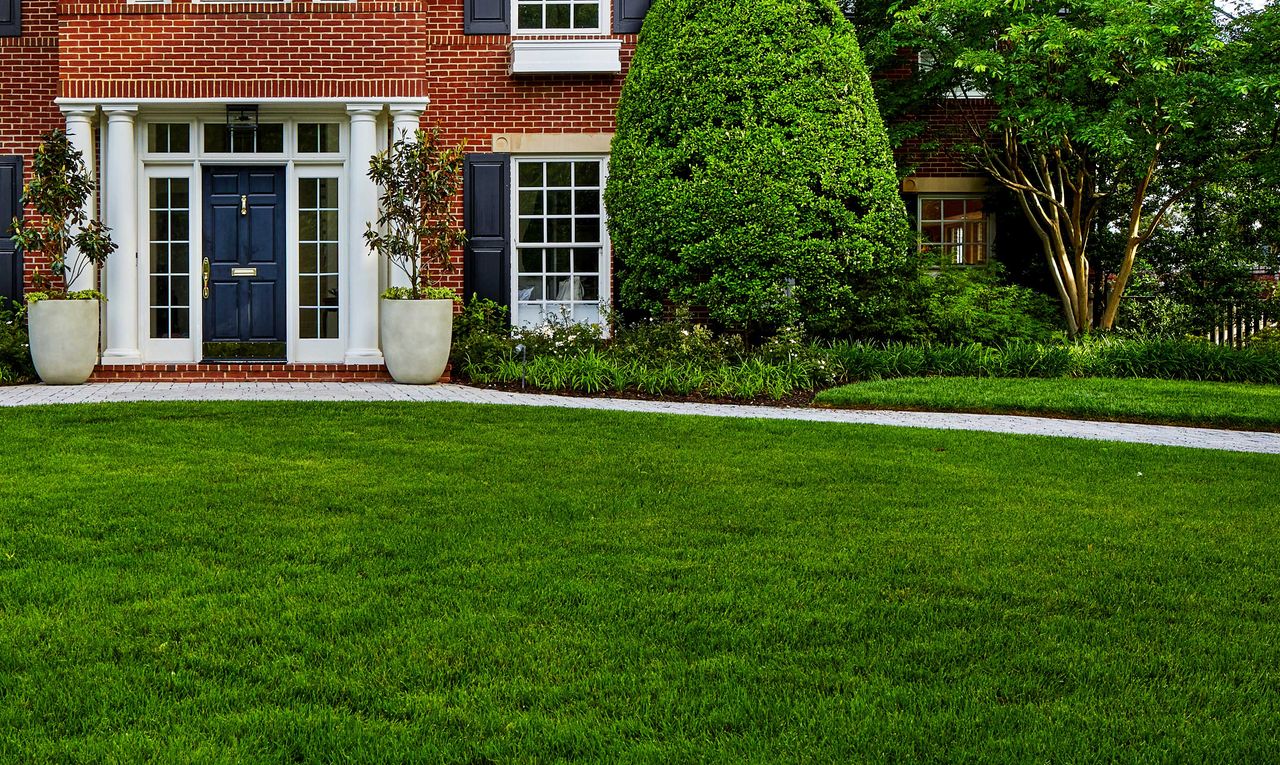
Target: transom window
column 317, row 138
column 169, row 214
column 560, row 255
column 551, row 15
column 268, row 138
column 318, row 303
column 169, row 137
column 954, row 228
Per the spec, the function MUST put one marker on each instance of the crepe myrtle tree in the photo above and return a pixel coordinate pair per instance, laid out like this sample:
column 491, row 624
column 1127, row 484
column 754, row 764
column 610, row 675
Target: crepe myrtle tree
column 751, row 176
column 416, row 230
column 1099, row 115
column 58, row 190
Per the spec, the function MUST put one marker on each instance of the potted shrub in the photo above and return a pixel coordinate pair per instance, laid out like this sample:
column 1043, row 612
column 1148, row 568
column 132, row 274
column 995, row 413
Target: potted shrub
column 63, row 325
column 416, row 232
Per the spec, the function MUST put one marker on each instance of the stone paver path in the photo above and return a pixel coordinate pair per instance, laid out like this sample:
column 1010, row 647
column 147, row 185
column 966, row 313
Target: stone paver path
column 1199, row 438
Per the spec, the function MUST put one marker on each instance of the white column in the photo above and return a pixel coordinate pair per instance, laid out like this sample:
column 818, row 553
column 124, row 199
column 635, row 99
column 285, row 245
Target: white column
column 406, row 118
column 121, row 196
column 80, row 134
column 362, row 266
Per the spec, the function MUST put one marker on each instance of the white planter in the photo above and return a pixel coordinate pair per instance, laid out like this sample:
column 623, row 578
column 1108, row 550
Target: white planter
column 64, row 339
column 416, row 338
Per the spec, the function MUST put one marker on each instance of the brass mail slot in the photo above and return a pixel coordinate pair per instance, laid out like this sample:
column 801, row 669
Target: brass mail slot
column 244, row 272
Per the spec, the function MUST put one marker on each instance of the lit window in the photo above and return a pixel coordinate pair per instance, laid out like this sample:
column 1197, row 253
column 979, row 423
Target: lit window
column 558, row 15
column 560, row 256
column 954, row 229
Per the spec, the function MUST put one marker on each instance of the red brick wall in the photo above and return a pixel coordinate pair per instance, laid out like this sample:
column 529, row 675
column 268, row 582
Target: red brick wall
column 293, row 50
column 28, row 85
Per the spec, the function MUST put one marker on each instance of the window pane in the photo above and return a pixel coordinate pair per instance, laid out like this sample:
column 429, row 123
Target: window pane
column 559, row 260
column 215, row 138
column 559, row 202
column 530, row 16
column 328, row 258
column 588, row 288
column 271, row 138
column 952, row 209
column 586, row 202
column 531, row 231
column 559, row 174
column 531, row 203
column 180, row 138
column 587, row 230
column 559, row 230
column 931, row 209
column 530, row 174
column 558, row 16
column 169, row 284
column 530, row 261
column 530, row 288
column 327, row 195
column 586, row 16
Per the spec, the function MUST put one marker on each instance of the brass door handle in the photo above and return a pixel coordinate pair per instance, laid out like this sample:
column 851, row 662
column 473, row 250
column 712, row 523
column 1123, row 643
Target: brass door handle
column 206, row 278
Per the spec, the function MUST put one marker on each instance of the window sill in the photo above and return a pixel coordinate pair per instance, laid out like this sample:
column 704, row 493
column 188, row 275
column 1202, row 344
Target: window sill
column 566, row 57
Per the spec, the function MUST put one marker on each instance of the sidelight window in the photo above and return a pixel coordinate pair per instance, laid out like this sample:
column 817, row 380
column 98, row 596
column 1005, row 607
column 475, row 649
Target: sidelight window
column 318, row 270
column 169, row 214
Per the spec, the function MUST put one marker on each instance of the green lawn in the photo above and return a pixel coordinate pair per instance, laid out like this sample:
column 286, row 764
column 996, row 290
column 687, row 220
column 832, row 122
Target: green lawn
column 1229, row 405
column 456, row 584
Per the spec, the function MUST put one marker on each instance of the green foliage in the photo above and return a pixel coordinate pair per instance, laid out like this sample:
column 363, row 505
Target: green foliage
column 15, row 354
column 751, row 175
column 481, row 334
column 416, row 228
column 1101, row 114
column 975, row 305
column 36, row 297
column 58, row 191
column 423, row 293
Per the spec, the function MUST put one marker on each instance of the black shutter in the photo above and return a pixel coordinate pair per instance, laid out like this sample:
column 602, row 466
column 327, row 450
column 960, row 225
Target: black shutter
column 481, row 17
column 10, row 18
column 486, row 215
column 628, row 15
column 10, row 208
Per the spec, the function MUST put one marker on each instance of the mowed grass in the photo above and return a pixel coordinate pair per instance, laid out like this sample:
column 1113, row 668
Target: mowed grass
column 455, row 584
column 1214, row 404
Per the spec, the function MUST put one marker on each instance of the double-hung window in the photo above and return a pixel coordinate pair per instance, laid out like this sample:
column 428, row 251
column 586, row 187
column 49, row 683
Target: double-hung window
column 561, row 257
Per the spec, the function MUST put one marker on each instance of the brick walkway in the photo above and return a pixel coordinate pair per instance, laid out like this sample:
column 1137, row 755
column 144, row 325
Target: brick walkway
column 1199, row 438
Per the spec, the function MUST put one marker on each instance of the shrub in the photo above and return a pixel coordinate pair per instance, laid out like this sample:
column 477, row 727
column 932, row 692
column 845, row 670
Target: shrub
column 15, row 356
column 975, row 305
column 751, row 174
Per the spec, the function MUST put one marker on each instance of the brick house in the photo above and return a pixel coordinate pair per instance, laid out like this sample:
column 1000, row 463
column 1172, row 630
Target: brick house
column 230, row 142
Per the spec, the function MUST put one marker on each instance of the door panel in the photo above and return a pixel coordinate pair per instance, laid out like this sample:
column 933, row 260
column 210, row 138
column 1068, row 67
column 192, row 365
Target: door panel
column 244, row 241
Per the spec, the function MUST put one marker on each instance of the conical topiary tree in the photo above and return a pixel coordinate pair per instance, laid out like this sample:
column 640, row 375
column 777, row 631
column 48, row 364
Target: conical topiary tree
column 751, row 175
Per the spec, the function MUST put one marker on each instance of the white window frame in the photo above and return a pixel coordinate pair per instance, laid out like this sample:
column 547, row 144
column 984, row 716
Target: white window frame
column 987, row 220
column 164, row 349
column 605, row 297
column 604, row 20
column 324, row 349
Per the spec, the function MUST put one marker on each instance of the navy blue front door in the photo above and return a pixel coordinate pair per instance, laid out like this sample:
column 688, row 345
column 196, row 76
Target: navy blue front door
column 244, row 264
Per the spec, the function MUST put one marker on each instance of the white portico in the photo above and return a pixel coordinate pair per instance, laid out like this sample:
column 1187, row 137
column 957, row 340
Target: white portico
column 237, row 242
